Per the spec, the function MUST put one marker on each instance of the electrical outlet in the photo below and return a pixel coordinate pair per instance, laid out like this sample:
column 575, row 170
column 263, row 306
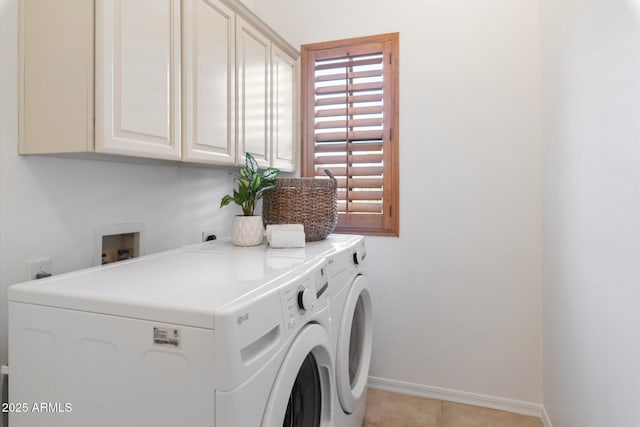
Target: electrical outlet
column 38, row 268
column 208, row 236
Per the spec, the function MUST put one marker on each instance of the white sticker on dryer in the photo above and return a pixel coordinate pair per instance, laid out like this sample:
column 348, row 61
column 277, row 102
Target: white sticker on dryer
column 166, row 337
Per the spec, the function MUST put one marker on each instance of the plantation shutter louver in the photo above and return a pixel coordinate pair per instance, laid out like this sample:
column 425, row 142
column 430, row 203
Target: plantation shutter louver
column 349, row 118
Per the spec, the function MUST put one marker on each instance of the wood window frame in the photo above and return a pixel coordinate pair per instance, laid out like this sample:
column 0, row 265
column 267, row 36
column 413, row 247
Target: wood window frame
column 386, row 222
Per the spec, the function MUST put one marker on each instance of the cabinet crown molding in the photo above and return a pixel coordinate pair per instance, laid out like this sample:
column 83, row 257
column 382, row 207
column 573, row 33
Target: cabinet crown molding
column 249, row 16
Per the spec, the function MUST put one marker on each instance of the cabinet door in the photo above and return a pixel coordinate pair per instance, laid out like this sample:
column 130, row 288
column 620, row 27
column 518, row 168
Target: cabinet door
column 56, row 76
column 284, row 129
column 138, row 78
column 208, row 82
column 252, row 58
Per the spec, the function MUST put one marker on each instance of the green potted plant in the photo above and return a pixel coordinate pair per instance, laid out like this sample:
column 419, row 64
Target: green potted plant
column 247, row 229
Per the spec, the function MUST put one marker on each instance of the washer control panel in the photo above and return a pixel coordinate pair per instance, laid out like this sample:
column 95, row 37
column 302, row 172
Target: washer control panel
column 306, row 299
column 359, row 256
column 303, row 297
column 322, row 280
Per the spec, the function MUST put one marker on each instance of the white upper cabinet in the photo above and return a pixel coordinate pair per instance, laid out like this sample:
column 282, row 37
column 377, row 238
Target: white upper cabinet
column 200, row 81
column 284, row 125
column 208, row 82
column 138, row 78
column 267, row 100
column 253, row 51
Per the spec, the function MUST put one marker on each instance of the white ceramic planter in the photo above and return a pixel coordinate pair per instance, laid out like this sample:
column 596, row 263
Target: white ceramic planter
column 247, row 230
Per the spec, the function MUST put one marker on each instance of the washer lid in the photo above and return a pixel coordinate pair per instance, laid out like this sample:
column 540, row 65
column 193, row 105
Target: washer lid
column 332, row 244
column 186, row 286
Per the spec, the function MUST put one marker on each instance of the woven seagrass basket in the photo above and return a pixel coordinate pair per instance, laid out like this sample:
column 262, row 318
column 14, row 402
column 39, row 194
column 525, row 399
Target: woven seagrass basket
column 311, row 202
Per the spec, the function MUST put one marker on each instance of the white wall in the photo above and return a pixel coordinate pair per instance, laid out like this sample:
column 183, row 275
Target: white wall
column 591, row 159
column 50, row 206
column 457, row 297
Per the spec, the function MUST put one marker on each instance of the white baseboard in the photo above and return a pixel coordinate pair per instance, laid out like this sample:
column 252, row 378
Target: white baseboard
column 545, row 418
column 475, row 399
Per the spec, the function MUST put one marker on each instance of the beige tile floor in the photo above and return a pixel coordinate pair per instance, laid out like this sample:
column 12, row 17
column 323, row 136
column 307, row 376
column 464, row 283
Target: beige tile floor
column 385, row 409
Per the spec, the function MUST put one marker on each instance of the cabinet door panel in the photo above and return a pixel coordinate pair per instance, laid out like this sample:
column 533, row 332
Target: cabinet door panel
column 253, row 62
column 137, row 85
column 209, row 82
column 56, row 76
column 284, row 118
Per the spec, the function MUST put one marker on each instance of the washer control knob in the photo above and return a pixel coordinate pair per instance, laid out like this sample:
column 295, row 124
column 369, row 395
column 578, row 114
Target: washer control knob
column 358, row 257
column 306, row 299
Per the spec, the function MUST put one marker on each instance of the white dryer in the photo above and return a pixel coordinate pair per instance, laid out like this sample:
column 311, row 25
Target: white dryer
column 191, row 337
column 351, row 327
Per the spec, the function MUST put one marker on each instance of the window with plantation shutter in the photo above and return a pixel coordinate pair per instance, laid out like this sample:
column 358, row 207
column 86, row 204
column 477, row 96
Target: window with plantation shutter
column 350, row 127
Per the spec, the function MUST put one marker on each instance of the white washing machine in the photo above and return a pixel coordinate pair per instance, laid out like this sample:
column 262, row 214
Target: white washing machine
column 191, row 337
column 351, row 327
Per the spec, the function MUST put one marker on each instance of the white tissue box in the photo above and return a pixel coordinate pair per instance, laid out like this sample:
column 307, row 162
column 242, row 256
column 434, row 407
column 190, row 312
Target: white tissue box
column 285, row 235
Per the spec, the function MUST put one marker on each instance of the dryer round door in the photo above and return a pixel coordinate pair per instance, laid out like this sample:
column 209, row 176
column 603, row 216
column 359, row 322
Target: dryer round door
column 353, row 353
column 301, row 394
